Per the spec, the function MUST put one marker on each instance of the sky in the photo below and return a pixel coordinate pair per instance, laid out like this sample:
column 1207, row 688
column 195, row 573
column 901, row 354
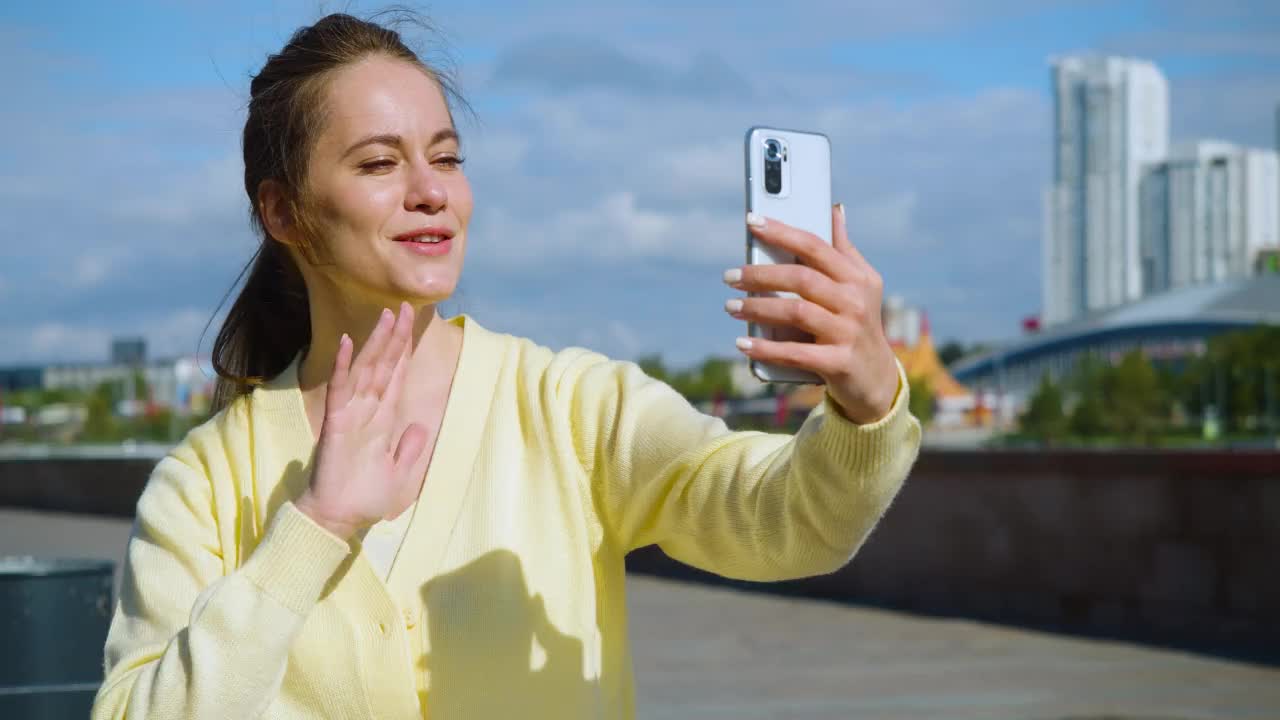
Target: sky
column 605, row 154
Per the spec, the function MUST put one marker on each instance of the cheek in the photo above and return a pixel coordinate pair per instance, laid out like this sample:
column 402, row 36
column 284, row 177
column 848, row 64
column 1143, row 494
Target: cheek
column 361, row 207
column 461, row 200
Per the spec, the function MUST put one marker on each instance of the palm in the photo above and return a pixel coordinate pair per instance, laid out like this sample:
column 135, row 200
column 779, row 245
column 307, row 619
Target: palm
column 362, row 466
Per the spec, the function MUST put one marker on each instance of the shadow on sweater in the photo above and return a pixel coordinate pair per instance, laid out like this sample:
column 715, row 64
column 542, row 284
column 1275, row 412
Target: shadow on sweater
column 493, row 651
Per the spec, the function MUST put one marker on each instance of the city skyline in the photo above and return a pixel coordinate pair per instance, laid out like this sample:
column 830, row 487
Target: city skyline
column 1126, row 214
column 129, row 118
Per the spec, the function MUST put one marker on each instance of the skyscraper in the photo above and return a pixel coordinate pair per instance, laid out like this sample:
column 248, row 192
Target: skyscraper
column 1206, row 213
column 1110, row 120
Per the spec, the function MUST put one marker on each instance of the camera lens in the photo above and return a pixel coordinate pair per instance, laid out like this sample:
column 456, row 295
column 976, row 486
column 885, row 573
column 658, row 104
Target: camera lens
column 773, row 177
column 771, row 149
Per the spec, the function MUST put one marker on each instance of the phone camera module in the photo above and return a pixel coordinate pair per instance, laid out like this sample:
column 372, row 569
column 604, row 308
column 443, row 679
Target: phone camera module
column 773, row 157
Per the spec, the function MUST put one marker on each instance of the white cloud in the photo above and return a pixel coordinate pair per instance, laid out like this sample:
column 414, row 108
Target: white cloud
column 890, row 218
column 185, row 194
column 89, row 270
column 57, row 341
column 613, row 229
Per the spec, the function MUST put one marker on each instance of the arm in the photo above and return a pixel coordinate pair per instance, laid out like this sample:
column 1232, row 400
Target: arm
column 188, row 641
column 746, row 505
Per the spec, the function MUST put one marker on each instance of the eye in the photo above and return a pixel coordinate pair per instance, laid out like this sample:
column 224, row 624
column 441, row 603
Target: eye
column 450, row 161
column 378, row 165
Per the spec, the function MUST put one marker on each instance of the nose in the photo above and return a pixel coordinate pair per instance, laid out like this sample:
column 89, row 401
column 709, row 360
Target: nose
column 425, row 192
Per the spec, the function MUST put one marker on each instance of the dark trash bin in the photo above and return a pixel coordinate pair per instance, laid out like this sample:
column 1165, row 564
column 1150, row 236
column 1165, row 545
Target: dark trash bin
column 54, row 616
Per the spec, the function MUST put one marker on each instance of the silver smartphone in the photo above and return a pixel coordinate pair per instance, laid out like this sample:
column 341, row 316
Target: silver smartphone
column 788, row 179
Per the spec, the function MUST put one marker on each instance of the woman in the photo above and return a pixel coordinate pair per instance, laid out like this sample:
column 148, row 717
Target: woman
column 396, row 515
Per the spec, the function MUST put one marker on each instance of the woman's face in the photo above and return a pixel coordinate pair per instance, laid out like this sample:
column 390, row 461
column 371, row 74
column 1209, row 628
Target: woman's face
column 386, row 168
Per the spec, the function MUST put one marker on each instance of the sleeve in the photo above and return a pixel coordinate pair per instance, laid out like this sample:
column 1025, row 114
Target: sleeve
column 187, row 640
column 746, row 505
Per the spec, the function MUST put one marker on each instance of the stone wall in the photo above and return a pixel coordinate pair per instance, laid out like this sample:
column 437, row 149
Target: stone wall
column 1174, row 547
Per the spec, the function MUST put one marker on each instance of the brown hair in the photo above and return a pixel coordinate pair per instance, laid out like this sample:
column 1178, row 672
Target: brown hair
column 269, row 322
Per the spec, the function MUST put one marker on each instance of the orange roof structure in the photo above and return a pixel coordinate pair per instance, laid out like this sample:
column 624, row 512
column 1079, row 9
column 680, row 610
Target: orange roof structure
column 922, row 361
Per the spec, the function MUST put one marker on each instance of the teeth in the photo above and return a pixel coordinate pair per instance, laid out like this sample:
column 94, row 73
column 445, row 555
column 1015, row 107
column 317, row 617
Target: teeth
column 430, row 239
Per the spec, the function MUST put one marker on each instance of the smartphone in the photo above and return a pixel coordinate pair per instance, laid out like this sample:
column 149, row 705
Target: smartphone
column 789, row 180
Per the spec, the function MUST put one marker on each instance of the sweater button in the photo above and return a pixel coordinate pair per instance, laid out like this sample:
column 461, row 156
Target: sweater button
column 410, row 622
column 382, row 628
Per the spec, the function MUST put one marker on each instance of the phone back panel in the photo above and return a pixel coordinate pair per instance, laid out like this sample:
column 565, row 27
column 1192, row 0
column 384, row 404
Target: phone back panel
column 804, row 202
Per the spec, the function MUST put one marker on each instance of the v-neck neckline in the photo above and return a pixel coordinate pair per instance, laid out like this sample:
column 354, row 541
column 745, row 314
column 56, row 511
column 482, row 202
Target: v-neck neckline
column 448, row 475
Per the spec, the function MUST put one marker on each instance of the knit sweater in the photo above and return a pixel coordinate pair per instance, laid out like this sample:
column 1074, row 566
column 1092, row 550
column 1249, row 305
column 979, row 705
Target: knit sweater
column 507, row 596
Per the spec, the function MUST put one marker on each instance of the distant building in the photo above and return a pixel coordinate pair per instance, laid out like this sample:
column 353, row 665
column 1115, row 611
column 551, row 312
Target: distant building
column 1206, row 213
column 1167, row 326
column 1110, row 120
column 184, row 383
column 128, row 351
column 24, row 377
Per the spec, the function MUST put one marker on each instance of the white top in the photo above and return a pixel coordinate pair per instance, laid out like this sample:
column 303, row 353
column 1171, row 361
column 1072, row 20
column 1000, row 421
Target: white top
column 381, row 541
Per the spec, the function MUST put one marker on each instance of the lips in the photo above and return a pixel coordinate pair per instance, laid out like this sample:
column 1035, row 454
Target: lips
column 440, row 232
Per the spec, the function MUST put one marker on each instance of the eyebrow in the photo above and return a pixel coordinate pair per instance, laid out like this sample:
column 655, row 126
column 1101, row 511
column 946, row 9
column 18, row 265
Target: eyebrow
column 397, row 141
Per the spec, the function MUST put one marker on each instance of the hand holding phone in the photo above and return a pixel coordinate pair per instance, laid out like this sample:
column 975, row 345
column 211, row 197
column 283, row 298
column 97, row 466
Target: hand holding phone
column 813, row 305
column 789, row 180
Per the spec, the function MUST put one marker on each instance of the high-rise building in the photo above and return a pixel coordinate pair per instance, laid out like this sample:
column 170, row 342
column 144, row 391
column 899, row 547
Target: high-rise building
column 1110, row 120
column 1206, row 213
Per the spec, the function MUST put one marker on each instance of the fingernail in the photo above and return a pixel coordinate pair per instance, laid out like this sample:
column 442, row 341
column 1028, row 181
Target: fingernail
column 733, row 305
column 754, row 220
column 840, row 209
column 743, row 343
column 733, row 275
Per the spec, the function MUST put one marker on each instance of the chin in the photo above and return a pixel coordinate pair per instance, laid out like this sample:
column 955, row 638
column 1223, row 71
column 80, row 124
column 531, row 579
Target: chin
column 428, row 294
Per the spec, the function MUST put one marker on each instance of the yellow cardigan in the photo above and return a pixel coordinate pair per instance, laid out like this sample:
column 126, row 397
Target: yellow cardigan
column 507, row 598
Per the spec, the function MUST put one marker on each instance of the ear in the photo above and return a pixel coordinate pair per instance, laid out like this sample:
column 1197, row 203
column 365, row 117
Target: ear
column 276, row 212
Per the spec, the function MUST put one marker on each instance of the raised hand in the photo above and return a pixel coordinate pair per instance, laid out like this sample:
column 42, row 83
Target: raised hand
column 839, row 304
column 363, row 460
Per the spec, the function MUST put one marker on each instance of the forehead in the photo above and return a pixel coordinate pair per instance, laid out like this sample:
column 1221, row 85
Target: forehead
column 384, row 95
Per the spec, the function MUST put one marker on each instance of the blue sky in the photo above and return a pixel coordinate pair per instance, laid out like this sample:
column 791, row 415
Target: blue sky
column 124, row 211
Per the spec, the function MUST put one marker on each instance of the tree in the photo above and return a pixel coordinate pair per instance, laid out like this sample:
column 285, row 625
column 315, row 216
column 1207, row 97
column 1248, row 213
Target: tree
column 1088, row 418
column 713, row 376
column 100, row 425
column 653, row 366
column 1044, row 419
column 1137, row 405
column 920, row 402
column 141, row 391
column 950, row 352
column 1089, row 381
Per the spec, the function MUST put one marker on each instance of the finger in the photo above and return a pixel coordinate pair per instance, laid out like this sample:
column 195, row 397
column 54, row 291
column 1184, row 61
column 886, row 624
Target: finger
column 818, row 358
column 807, row 247
column 869, row 276
column 372, row 349
column 391, row 396
column 339, row 390
column 790, row 312
column 393, row 350
column 840, row 234
column 802, row 280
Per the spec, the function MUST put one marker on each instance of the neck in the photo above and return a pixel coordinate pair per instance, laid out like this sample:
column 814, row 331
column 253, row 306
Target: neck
column 434, row 343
